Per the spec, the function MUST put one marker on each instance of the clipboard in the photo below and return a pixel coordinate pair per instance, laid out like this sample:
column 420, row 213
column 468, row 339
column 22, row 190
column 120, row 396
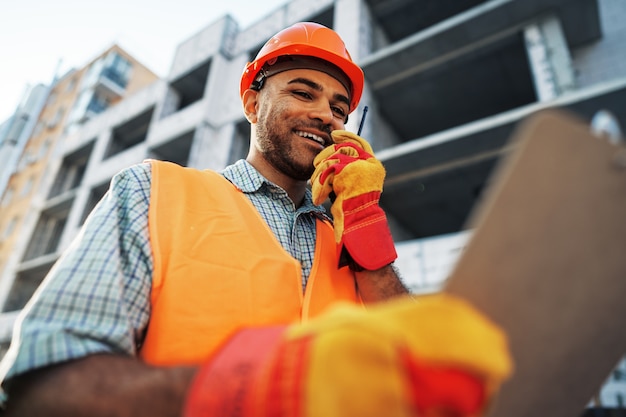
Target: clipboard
column 547, row 262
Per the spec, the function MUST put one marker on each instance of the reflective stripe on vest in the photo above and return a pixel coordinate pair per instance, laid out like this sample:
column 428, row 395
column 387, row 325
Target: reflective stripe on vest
column 218, row 268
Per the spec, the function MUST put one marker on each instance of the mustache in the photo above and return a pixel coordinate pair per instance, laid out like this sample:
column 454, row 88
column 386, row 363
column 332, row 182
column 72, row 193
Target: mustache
column 323, row 127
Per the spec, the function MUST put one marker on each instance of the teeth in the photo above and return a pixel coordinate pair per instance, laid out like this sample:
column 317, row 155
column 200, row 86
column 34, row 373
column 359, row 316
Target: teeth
column 308, row 135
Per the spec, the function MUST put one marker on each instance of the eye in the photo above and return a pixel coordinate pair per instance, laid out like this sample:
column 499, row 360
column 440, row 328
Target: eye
column 339, row 112
column 302, row 94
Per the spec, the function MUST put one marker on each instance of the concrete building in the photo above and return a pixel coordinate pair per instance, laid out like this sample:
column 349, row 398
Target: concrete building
column 446, row 83
column 28, row 230
column 17, row 129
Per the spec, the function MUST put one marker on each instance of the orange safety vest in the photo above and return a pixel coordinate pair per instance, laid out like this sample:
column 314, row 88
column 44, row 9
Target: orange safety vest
column 219, row 268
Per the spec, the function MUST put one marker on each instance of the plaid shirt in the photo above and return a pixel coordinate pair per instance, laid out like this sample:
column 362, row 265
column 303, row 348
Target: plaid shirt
column 97, row 297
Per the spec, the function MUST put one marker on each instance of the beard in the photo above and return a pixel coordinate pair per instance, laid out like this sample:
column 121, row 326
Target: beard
column 275, row 141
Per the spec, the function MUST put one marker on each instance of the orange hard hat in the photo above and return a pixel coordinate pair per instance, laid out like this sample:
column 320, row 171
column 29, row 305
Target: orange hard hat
column 307, row 40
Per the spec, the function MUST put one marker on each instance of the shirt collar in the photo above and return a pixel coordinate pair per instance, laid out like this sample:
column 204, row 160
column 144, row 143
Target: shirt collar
column 245, row 177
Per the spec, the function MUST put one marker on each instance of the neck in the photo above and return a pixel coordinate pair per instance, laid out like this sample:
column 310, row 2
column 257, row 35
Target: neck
column 295, row 188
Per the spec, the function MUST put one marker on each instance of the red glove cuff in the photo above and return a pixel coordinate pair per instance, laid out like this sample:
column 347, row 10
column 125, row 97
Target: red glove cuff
column 438, row 390
column 225, row 385
column 366, row 234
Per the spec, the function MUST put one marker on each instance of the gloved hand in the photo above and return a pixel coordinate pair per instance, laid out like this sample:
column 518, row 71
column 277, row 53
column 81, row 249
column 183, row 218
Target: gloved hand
column 349, row 169
column 435, row 356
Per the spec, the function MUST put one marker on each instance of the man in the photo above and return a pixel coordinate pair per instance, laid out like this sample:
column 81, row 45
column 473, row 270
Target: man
column 138, row 316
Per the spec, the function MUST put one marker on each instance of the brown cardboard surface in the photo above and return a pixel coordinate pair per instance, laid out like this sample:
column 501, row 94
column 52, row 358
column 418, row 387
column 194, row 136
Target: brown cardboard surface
column 547, row 262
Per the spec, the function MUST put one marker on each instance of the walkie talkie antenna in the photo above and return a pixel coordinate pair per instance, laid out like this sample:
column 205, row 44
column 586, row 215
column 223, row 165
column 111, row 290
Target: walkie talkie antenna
column 362, row 120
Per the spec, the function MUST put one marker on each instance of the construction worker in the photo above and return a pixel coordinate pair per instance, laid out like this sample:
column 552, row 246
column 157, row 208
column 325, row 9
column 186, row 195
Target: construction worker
column 200, row 293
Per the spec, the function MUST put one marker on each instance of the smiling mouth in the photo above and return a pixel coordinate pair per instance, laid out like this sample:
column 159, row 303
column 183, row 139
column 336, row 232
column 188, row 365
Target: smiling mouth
column 311, row 136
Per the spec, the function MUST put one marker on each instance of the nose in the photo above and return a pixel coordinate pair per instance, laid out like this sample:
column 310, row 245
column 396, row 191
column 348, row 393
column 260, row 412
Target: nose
column 321, row 111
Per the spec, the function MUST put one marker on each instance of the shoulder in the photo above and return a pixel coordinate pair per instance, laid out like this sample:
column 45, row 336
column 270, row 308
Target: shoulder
column 137, row 175
column 169, row 182
column 129, row 187
column 163, row 171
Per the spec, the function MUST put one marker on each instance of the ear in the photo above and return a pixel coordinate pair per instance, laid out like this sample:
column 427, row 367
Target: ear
column 249, row 101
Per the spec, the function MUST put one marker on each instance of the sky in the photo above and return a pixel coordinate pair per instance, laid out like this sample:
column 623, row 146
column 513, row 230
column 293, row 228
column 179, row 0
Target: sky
column 39, row 38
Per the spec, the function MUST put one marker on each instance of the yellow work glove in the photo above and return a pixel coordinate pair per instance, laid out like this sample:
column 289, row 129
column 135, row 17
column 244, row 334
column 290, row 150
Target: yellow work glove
column 350, row 171
column 431, row 357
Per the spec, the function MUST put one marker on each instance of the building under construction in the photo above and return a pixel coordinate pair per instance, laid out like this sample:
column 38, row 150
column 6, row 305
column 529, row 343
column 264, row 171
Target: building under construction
column 447, row 81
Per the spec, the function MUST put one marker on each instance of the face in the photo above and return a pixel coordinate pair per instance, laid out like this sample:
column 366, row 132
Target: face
column 293, row 116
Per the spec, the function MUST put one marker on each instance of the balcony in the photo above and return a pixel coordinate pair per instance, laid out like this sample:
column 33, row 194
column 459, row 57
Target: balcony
column 464, row 66
column 110, row 84
column 434, row 182
column 111, row 76
column 129, row 133
column 72, row 171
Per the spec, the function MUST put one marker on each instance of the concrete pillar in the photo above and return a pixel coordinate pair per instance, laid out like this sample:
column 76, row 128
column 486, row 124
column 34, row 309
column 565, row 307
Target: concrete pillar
column 550, row 60
column 355, row 32
column 222, row 103
column 211, row 146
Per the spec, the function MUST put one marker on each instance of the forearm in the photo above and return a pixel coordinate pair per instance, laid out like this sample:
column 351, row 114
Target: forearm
column 100, row 385
column 379, row 285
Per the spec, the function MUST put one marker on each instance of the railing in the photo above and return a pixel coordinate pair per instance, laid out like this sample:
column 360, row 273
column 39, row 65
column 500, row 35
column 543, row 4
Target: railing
column 119, row 79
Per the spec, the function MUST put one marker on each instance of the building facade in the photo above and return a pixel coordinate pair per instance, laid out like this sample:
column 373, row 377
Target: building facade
column 17, row 129
column 446, row 83
column 29, row 230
